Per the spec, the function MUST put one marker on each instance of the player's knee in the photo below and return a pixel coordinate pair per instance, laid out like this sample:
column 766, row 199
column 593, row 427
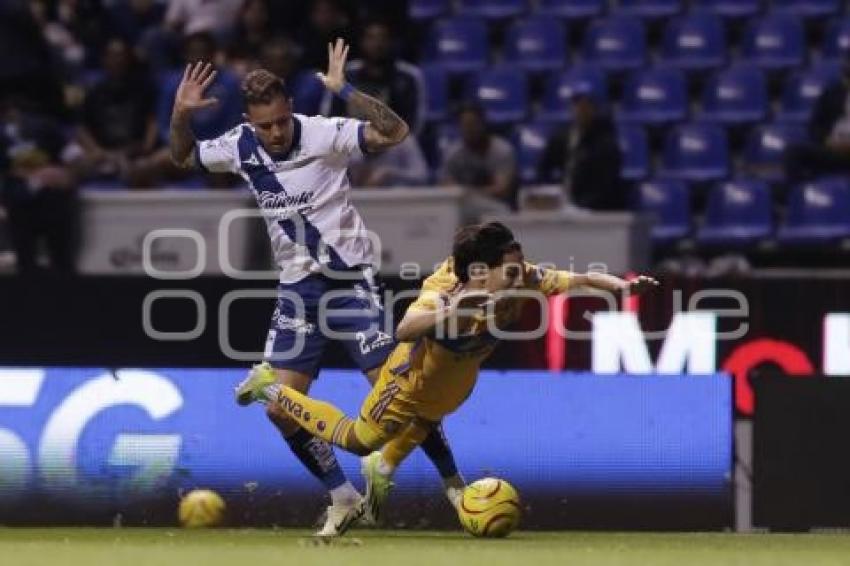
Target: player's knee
column 362, row 446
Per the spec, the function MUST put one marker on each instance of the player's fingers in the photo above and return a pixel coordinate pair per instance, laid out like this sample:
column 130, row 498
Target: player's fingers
column 186, row 72
column 196, row 70
column 330, row 53
column 210, row 78
column 344, row 54
column 207, row 102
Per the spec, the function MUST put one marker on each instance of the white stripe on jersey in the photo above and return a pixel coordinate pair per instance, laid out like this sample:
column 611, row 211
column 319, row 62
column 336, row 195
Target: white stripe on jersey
column 303, row 195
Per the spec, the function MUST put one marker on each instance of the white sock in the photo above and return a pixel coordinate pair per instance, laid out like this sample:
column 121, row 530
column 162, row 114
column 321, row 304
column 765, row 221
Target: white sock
column 344, row 494
column 384, row 468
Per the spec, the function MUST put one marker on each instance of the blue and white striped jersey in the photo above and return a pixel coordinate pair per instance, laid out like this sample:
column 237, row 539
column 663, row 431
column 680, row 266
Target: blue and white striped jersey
column 303, row 195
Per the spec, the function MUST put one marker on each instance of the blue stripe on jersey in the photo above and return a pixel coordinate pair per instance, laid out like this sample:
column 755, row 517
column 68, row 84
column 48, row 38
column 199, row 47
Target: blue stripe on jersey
column 361, row 138
column 263, row 179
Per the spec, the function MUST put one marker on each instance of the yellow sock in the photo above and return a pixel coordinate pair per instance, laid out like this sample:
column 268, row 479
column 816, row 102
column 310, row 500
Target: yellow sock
column 400, row 447
column 319, row 418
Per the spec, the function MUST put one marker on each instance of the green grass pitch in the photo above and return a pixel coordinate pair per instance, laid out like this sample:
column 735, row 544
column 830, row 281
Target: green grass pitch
column 154, row 547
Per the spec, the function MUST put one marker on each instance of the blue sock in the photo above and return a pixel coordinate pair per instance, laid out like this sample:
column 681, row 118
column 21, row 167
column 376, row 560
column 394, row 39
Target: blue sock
column 318, row 457
column 436, row 447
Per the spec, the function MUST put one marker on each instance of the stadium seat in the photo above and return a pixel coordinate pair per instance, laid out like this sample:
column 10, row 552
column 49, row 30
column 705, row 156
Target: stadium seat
column 836, row 41
column 695, row 152
column 669, row 201
column 648, row 9
column 734, row 96
column 459, row 44
column 616, row 44
column 557, row 91
column 537, row 44
column 808, row 8
column 802, row 89
column 428, row 9
column 818, row 212
column 738, row 213
column 502, row 92
column 634, row 144
column 494, row 9
column 775, row 41
column 729, row 8
column 436, row 92
column 654, row 96
column 694, row 42
column 530, row 141
column 571, row 9
column 765, row 148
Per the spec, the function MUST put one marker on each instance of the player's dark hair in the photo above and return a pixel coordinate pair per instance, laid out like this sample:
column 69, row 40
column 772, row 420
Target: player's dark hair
column 481, row 243
column 261, row 87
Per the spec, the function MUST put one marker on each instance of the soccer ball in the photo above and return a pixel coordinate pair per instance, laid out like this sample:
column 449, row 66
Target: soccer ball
column 201, row 508
column 489, row 507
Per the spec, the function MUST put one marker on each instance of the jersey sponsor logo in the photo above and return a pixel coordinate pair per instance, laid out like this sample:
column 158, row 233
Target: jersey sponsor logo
column 294, row 408
column 371, row 343
column 283, row 203
column 297, row 325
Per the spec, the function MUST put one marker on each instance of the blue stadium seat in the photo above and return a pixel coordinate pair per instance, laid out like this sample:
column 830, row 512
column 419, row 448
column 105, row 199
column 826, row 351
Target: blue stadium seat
column 428, row 9
column 694, row 42
column 459, row 44
column 775, row 41
column 729, row 8
column 495, row 9
column 502, row 92
column 655, row 96
column 669, row 201
column 616, row 44
column 734, row 96
column 649, row 9
column 695, row 152
column 571, row 9
column 738, row 213
column 765, row 148
column 558, row 89
column 634, row 144
column 836, row 41
column 530, row 141
column 802, row 89
column 808, row 8
column 537, row 44
column 818, row 212
column 436, row 92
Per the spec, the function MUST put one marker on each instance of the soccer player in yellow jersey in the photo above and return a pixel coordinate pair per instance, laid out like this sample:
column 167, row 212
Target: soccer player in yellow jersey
column 444, row 337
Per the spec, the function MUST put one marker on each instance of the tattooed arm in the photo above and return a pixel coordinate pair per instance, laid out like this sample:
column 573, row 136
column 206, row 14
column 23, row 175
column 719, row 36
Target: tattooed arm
column 384, row 127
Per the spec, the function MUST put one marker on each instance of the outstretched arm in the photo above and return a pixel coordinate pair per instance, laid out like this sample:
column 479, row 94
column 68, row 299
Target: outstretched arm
column 189, row 98
column 384, row 127
column 612, row 283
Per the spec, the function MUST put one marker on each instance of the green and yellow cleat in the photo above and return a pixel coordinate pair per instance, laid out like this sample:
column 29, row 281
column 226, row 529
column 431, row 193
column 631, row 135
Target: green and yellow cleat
column 378, row 486
column 258, row 387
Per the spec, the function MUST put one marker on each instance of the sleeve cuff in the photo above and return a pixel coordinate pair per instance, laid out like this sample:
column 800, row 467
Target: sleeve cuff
column 198, row 162
column 361, row 138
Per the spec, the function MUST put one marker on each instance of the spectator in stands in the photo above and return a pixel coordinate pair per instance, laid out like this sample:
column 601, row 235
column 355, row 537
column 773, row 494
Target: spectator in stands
column 403, row 165
column 188, row 17
column 119, row 118
column 327, row 21
column 253, row 28
column 586, row 157
column 381, row 75
column 134, row 20
column 28, row 69
column 38, row 186
column 483, row 163
column 280, row 56
column 210, row 122
column 828, row 149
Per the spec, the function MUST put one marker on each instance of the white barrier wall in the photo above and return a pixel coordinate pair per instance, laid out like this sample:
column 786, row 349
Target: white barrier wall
column 191, row 232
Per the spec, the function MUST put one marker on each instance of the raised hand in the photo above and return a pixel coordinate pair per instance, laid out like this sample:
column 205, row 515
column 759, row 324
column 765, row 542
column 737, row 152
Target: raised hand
column 334, row 79
column 190, row 94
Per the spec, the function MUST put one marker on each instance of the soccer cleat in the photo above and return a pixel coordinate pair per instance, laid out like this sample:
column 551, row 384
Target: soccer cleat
column 341, row 517
column 255, row 387
column 455, row 496
column 378, row 486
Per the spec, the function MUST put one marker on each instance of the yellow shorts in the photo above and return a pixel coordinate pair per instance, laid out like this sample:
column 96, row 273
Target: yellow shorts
column 385, row 412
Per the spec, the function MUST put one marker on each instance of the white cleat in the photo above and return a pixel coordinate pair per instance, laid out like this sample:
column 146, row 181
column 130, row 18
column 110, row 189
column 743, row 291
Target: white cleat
column 341, row 517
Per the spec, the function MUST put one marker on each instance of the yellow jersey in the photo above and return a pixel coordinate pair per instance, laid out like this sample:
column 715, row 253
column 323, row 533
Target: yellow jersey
column 437, row 374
